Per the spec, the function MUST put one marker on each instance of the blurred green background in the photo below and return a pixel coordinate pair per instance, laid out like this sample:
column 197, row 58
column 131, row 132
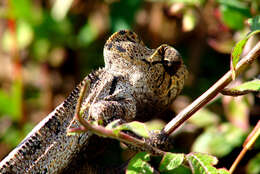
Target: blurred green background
column 48, row 46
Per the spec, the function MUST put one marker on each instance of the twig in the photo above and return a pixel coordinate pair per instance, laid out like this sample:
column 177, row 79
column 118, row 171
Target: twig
column 211, row 92
column 250, row 140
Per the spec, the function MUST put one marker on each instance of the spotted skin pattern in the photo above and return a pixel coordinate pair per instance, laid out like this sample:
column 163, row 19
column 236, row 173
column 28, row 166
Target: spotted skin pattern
column 136, row 83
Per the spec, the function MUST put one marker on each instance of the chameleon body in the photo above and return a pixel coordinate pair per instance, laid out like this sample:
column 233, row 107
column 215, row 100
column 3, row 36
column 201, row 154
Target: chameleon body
column 135, row 84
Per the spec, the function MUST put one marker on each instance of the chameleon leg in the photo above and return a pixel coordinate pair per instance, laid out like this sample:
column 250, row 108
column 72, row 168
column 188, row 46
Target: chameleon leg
column 108, row 111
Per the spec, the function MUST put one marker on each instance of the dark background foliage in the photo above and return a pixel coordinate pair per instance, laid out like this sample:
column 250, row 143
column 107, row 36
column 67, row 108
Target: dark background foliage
column 48, row 46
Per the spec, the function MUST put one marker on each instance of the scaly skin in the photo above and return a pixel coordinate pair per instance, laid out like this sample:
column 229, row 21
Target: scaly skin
column 135, row 84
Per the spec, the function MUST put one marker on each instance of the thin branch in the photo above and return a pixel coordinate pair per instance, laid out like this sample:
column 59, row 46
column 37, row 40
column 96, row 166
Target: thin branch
column 211, row 92
column 121, row 136
column 250, row 140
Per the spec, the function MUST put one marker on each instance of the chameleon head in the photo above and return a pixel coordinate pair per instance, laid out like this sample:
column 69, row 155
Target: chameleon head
column 168, row 72
column 160, row 71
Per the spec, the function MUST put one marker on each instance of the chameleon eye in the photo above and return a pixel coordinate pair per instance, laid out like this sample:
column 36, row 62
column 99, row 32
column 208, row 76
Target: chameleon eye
column 171, row 60
column 171, row 67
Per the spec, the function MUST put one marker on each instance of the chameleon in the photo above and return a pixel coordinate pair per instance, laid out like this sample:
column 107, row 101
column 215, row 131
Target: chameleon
column 136, row 83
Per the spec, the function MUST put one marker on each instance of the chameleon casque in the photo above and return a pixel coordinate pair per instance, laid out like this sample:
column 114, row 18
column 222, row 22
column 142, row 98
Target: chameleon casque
column 136, row 83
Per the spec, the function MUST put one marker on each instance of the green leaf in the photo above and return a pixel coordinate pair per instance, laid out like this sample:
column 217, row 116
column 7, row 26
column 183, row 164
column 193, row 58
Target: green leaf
column 235, row 55
column 202, row 163
column 189, row 20
column 237, row 50
column 171, row 161
column 253, row 85
column 155, row 124
column 234, row 18
column 223, row 171
column 24, row 34
column 60, row 9
column 87, row 34
column 245, row 88
column 253, row 166
column 136, row 127
column 219, row 141
column 204, row 118
column 236, row 5
column 41, row 49
column 113, row 124
column 179, row 170
column 11, row 103
column 138, row 164
column 21, row 9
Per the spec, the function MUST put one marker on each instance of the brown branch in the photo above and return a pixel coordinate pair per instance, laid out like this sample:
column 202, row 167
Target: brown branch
column 211, row 92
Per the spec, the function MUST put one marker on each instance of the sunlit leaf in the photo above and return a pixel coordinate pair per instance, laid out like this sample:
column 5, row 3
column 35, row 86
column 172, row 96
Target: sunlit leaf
column 21, row 9
column 182, row 169
column 113, row 124
column 189, row 20
column 138, row 164
column 204, row 117
column 233, row 18
column 60, row 9
column 155, row 124
column 253, row 85
column 171, row 161
column 237, row 5
column 202, row 163
column 237, row 50
column 223, row 171
column 219, row 141
column 24, row 36
column 136, row 127
column 245, row 88
column 235, row 55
